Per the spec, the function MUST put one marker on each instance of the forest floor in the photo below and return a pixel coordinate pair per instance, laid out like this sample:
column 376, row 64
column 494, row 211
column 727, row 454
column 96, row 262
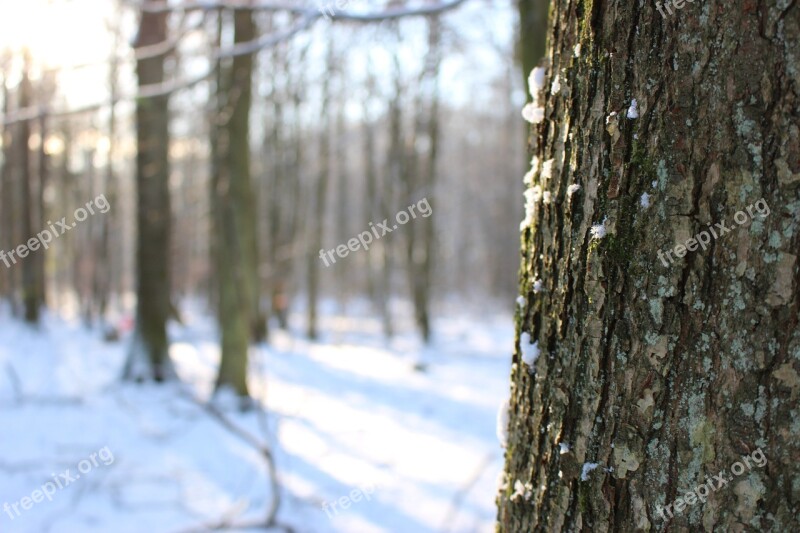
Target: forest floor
column 351, row 422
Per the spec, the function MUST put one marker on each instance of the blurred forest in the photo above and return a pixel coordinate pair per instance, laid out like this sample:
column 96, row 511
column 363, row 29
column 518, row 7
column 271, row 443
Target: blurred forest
column 235, row 140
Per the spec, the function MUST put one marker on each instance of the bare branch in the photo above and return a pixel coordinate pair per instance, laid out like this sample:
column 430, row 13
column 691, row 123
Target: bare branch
column 271, row 5
column 309, row 16
column 255, row 442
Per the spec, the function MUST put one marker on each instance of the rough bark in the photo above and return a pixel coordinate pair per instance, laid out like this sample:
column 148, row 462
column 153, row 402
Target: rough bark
column 661, row 373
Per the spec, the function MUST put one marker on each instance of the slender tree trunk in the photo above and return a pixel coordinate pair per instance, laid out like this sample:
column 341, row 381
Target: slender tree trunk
column 149, row 358
column 106, row 271
column 6, row 196
column 41, row 216
column 661, row 368
column 420, row 178
column 343, row 203
column 235, row 229
column 31, row 290
column 320, row 201
column 371, row 178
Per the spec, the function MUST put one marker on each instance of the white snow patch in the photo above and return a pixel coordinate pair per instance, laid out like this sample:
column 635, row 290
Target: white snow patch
column 563, row 447
column 633, row 110
column 522, row 490
column 533, row 113
column 609, row 117
column 572, row 189
column 521, row 301
column 502, row 424
column 536, row 81
column 532, row 197
column 555, row 87
column 502, row 482
column 587, row 467
column 547, row 169
column 547, row 197
column 599, row 231
column 530, row 352
column 577, row 50
column 528, row 178
column 644, row 200
column 538, row 285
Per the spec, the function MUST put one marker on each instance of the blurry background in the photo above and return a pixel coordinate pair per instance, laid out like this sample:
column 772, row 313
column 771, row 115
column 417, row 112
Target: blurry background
column 267, row 131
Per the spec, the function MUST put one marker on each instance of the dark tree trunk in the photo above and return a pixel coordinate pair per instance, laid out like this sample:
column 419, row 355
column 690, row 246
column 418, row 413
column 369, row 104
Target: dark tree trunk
column 235, row 223
column 149, row 357
column 320, row 202
column 31, row 289
column 657, row 373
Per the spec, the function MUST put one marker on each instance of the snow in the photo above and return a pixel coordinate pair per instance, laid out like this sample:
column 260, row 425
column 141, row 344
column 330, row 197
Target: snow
column 528, row 178
column 538, row 285
column 644, row 200
column 346, row 414
column 577, row 50
column 599, row 231
column 533, row 113
column 532, row 197
column 547, row 197
column 563, row 448
column 502, row 424
column 572, row 189
column 502, row 481
column 522, row 490
column 521, row 301
column 530, row 352
column 536, row 82
column 547, row 169
column 633, row 110
column 555, row 87
column 587, row 467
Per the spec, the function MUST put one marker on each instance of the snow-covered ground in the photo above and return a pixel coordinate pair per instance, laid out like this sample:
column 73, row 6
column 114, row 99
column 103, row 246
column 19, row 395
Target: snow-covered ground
column 363, row 441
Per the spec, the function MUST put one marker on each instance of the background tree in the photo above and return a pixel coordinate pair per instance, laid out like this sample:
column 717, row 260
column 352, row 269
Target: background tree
column 234, row 200
column 532, row 33
column 149, row 357
column 652, row 374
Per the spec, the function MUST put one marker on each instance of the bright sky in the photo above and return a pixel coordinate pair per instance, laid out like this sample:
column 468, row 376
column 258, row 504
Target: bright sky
column 58, row 32
column 64, row 33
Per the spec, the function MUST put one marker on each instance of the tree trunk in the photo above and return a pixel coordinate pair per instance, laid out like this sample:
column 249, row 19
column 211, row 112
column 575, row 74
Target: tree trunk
column 661, row 369
column 7, row 195
column 106, row 270
column 31, row 290
column 320, row 201
column 149, row 358
column 533, row 33
column 235, row 222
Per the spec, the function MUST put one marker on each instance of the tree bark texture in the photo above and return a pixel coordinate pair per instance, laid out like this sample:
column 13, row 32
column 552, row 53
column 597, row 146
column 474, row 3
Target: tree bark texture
column 656, row 374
